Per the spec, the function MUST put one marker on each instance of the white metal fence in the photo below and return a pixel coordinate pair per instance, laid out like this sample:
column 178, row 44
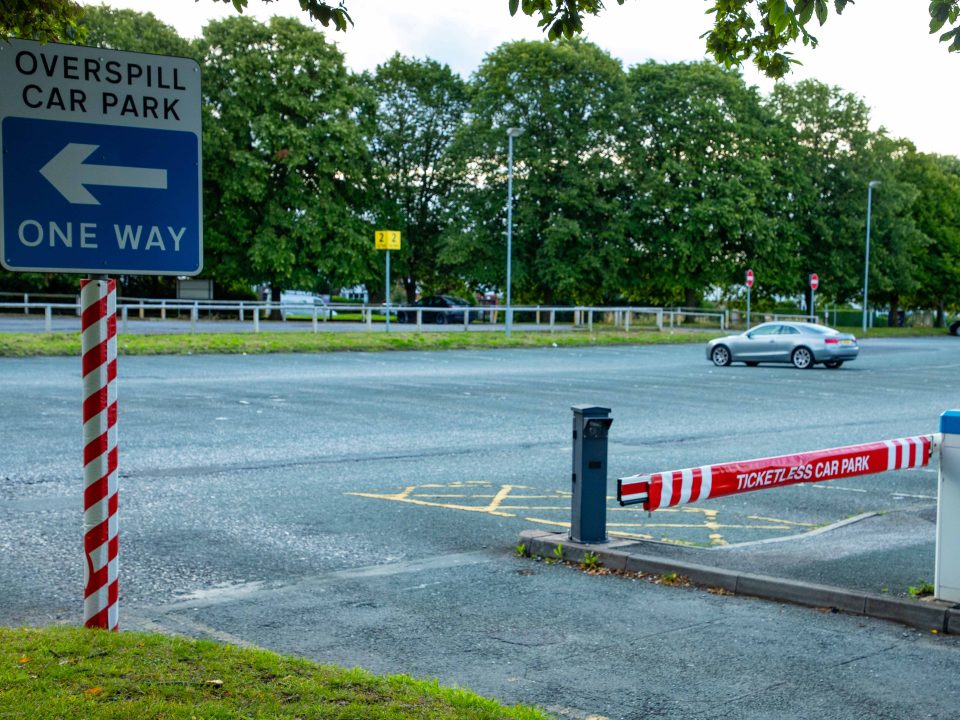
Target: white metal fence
column 534, row 317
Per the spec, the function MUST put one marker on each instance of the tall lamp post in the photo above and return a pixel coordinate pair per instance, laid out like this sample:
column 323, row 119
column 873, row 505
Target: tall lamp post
column 866, row 262
column 511, row 134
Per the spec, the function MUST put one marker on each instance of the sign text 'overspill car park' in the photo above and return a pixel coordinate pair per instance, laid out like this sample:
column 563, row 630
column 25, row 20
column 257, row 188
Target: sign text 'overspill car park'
column 101, row 161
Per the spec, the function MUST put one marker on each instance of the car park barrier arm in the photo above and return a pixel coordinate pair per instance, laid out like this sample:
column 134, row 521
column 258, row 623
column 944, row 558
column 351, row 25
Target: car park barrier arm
column 679, row 487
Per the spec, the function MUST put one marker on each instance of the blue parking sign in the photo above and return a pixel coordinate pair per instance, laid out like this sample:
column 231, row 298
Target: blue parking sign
column 101, row 161
column 99, row 199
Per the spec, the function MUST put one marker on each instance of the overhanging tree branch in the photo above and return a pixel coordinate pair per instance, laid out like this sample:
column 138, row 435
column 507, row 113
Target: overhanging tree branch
column 757, row 30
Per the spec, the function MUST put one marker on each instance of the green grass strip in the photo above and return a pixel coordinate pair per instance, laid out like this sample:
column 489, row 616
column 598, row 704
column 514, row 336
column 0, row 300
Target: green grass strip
column 77, row 674
column 68, row 344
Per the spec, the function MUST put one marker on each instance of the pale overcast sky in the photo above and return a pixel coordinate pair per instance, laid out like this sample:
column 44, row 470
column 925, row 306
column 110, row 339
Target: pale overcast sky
column 879, row 50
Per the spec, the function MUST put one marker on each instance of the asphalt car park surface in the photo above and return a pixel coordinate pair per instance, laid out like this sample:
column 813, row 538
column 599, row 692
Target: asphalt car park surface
column 362, row 509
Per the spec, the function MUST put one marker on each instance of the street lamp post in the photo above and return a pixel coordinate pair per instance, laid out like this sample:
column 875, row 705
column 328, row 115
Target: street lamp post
column 511, row 134
column 866, row 262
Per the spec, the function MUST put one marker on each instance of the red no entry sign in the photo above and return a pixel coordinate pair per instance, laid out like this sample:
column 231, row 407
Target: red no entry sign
column 814, row 281
column 749, row 278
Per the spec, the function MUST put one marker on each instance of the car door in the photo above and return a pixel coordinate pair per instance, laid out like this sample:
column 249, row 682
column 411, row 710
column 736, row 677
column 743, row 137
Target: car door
column 786, row 341
column 759, row 344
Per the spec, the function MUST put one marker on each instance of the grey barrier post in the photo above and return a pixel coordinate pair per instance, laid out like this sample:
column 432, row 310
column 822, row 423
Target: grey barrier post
column 588, row 516
column 947, row 567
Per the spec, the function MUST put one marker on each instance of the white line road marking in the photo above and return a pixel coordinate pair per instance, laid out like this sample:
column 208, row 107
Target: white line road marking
column 247, row 591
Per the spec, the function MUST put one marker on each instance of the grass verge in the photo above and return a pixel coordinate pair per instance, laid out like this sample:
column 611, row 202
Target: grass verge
column 74, row 674
column 68, row 344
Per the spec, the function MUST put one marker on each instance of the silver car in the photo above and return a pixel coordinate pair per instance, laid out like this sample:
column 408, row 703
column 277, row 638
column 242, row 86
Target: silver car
column 803, row 344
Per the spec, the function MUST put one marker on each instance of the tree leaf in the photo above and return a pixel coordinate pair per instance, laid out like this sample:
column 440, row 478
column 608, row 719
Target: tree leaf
column 514, row 6
column 955, row 34
column 822, row 11
column 775, row 11
column 938, row 15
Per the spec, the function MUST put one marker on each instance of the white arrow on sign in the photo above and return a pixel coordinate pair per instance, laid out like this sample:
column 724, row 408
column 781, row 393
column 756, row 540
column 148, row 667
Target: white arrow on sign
column 68, row 174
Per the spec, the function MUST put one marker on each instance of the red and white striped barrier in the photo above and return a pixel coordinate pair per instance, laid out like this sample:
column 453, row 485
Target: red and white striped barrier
column 679, row 487
column 98, row 302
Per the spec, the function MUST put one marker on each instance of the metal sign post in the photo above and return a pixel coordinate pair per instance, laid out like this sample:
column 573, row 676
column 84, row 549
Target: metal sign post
column 101, row 174
column 814, row 284
column 387, row 240
column 749, row 285
column 101, row 536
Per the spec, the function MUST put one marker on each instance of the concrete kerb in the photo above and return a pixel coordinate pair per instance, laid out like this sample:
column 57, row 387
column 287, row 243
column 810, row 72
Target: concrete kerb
column 615, row 555
column 953, row 621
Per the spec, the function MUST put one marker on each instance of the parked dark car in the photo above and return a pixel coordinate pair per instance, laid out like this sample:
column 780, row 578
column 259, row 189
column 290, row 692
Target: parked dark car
column 439, row 309
column 955, row 327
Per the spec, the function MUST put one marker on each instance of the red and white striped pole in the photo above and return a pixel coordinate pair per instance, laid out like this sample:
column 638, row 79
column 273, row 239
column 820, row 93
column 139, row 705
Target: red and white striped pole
column 98, row 344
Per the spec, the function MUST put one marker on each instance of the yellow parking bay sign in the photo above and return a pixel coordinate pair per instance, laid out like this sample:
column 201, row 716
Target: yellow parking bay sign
column 387, row 239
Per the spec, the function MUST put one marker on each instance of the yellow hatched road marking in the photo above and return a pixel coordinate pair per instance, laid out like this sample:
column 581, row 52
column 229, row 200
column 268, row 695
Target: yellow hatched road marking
column 502, row 502
column 499, row 498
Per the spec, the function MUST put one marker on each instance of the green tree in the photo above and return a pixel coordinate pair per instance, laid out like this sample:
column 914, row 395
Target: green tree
column 936, row 212
column 896, row 244
column 285, row 163
column 419, row 105
column 133, row 31
column 830, row 149
column 568, row 221
column 836, row 155
column 44, row 20
column 700, row 183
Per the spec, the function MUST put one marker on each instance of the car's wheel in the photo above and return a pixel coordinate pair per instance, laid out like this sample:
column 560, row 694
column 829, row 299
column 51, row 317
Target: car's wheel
column 440, row 319
column 401, row 318
column 955, row 328
column 751, row 363
column 802, row 358
column 720, row 356
column 833, row 364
